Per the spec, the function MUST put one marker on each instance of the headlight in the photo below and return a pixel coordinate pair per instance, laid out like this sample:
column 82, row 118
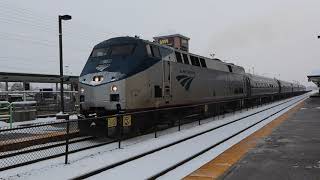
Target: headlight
column 97, row 78
column 81, row 90
column 114, row 88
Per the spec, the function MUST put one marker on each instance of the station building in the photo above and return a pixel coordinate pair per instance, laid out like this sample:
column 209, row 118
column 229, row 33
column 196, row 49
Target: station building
column 177, row 41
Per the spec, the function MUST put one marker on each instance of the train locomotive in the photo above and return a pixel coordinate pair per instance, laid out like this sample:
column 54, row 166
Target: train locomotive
column 129, row 74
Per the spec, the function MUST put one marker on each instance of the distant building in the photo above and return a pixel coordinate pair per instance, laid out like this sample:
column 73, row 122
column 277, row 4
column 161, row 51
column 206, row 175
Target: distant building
column 17, row 86
column 177, row 41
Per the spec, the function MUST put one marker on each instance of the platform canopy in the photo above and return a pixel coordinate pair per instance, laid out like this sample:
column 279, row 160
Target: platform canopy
column 315, row 79
column 36, row 78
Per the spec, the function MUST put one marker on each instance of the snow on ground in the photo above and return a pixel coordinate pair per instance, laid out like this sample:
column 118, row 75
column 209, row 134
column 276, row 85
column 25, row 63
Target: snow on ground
column 45, row 152
column 33, row 122
column 92, row 159
column 3, row 124
column 194, row 164
column 24, row 102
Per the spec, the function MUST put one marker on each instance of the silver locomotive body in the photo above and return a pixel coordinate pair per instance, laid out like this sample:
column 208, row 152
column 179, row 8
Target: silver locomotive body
column 153, row 76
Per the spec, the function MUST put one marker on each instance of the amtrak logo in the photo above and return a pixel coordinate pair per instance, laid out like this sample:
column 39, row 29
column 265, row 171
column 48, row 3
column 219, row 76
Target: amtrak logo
column 185, row 81
column 104, row 65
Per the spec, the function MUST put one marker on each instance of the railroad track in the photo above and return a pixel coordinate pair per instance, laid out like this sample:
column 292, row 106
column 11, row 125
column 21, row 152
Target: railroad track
column 157, row 151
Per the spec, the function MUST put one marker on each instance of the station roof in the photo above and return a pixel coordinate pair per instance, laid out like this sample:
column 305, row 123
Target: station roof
column 172, row 35
column 315, row 79
column 36, row 78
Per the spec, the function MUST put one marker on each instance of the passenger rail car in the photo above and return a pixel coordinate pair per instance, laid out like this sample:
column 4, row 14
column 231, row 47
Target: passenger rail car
column 130, row 74
column 260, row 86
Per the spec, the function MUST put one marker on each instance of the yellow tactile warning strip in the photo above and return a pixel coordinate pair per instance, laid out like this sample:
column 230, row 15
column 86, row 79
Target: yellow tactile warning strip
column 218, row 166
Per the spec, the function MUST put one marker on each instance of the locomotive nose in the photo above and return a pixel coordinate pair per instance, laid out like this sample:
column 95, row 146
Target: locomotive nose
column 109, row 96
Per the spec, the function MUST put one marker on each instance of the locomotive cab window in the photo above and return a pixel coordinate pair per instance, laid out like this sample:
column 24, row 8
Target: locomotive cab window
column 155, row 52
column 230, row 68
column 149, row 50
column 178, row 57
column 122, row 50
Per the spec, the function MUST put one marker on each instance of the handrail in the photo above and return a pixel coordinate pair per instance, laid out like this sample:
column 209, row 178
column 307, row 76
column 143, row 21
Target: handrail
column 8, row 92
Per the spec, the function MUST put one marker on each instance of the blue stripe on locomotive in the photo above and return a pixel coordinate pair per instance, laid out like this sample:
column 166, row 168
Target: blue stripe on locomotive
column 127, row 65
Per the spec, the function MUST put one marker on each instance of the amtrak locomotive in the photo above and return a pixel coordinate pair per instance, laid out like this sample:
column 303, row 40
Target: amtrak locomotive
column 131, row 74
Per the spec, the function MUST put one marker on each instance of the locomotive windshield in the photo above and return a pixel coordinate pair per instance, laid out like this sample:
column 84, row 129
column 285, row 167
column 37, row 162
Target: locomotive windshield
column 99, row 52
column 122, row 50
column 115, row 50
column 119, row 57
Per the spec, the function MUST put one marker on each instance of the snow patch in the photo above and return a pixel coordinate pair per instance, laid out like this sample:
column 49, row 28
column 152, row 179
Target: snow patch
column 36, row 121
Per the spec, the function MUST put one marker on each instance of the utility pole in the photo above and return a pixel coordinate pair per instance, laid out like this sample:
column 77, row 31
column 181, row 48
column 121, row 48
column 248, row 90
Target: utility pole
column 64, row 17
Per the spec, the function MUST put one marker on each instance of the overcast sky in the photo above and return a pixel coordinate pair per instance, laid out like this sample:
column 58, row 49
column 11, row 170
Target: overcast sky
column 276, row 38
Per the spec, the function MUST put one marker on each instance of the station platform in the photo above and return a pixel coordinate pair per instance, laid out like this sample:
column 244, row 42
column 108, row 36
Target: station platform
column 287, row 148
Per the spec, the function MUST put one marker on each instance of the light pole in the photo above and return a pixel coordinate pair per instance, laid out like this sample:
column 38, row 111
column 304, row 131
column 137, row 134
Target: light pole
column 65, row 18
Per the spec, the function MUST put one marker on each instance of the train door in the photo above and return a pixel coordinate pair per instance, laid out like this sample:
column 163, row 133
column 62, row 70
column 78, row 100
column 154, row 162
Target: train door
column 167, row 94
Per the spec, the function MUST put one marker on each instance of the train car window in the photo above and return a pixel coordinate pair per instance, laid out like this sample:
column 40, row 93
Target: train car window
column 122, row 50
column 99, row 52
column 185, row 58
column 155, row 51
column 178, row 57
column 203, row 63
column 157, row 92
column 230, row 68
column 195, row 61
column 192, row 60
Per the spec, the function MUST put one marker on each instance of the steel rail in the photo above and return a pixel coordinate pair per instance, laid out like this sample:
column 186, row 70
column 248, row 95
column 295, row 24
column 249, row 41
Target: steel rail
column 163, row 172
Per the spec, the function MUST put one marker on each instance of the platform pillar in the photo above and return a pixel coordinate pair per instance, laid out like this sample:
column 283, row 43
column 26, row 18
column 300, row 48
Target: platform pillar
column 7, row 86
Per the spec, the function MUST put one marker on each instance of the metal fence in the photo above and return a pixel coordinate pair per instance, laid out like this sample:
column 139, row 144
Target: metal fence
column 47, row 102
column 29, row 144
column 6, row 112
column 25, row 145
